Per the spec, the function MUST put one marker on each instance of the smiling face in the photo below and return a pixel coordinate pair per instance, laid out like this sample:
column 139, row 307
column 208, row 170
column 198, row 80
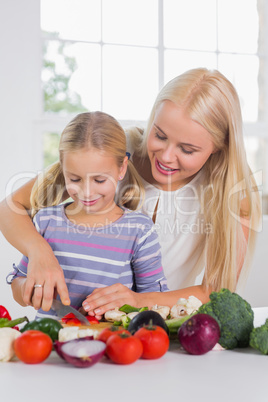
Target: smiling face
column 91, row 178
column 177, row 147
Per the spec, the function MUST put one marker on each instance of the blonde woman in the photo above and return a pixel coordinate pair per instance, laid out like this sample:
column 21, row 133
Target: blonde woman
column 199, row 191
column 96, row 241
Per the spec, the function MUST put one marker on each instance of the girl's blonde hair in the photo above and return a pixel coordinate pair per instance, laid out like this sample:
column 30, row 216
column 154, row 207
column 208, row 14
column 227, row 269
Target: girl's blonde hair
column 211, row 100
column 93, row 129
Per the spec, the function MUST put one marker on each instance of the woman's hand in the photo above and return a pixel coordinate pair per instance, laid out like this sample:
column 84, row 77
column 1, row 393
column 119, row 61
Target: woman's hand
column 110, row 297
column 44, row 269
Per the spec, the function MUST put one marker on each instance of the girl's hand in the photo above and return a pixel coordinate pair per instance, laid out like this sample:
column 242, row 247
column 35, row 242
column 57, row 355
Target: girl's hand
column 110, row 297
column 44, row 269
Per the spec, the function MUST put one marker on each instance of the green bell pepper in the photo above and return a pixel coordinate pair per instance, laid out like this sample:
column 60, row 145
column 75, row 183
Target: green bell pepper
column 49, row 326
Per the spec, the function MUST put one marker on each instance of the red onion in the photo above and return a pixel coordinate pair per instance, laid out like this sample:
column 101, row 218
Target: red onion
column 199, row 334
column 81, row 352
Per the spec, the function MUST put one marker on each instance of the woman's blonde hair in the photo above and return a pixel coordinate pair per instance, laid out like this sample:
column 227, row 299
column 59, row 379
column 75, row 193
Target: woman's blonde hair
column 211, row 100
column 93, row 129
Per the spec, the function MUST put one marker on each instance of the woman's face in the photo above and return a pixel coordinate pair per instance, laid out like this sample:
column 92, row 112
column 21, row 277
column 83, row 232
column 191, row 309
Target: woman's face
column 177, row 146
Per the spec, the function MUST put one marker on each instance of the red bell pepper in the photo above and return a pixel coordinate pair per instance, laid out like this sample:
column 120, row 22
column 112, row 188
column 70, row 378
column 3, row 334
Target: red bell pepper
column 71, row 319
column 4, row 313
column 92, row 320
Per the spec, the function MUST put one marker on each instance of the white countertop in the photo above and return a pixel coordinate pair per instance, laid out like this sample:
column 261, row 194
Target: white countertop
column 237, row 375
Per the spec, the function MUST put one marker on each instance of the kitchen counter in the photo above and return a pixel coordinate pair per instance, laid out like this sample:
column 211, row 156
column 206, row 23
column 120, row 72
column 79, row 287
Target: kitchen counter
column 237, row 375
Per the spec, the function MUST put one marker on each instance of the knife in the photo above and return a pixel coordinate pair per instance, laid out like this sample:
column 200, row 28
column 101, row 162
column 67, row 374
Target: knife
column 62, row 310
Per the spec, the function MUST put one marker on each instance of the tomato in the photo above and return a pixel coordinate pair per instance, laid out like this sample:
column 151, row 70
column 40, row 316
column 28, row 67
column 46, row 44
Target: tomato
column 33, row 346
column 123, row 348
column 155, row 341
column 105, row 334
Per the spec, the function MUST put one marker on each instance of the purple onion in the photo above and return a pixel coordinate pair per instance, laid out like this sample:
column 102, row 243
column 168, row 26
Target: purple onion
column 199, row 334
column 81, row 352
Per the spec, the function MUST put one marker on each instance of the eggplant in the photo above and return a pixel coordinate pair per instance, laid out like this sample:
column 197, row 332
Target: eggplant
column 146, row 318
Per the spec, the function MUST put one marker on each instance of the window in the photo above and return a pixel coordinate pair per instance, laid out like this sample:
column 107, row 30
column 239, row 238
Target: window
column 115, row 55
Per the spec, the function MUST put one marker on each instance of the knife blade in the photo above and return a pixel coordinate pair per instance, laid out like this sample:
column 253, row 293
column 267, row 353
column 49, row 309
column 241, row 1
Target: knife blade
column 62, row 310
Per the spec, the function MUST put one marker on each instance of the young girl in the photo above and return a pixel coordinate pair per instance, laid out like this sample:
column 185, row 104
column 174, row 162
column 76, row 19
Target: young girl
column 97, row 241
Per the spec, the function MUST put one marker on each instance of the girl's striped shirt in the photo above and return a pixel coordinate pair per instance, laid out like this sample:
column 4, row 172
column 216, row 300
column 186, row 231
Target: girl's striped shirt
column 126, row 251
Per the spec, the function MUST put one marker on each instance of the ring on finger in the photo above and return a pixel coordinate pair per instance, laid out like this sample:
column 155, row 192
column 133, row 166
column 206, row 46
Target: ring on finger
column 38, row 286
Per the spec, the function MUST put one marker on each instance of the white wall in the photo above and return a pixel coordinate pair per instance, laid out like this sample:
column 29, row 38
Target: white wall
column 256, row 289
column 20, row 106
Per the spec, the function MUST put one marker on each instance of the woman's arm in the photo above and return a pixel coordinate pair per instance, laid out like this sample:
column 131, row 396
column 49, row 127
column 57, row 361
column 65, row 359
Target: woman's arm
column 44, row 269
column 104, row 299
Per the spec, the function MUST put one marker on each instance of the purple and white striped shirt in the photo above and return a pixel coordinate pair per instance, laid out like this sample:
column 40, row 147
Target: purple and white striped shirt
column 126, row 251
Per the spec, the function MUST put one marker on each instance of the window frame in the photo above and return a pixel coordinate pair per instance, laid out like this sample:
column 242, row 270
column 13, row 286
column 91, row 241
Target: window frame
column 54, row 123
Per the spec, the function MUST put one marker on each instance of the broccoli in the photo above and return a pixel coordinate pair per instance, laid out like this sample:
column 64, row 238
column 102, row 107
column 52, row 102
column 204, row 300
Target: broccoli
column 234, row 315
column 259, row 338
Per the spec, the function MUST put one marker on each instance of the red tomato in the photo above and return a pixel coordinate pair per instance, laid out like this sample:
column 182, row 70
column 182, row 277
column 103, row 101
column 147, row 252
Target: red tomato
column 123, row 348
column 155, row 341
column 33, row 346
column 105, row 334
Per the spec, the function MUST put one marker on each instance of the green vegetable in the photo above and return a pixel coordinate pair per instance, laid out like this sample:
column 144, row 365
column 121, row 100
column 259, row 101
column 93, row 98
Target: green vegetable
column 125, row 321
column 259, row 338
column 117, row 323
column 175, row 323
column 5, row 322
column 234, row 315
column 49, row 326
column 126, row 308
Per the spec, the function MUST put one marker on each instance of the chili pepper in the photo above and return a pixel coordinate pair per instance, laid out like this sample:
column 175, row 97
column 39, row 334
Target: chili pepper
column 5, row 322
column 4, row 313
column 49, row 326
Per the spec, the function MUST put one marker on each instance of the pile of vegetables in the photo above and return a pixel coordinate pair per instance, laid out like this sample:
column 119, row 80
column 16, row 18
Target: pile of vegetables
column 226, row 320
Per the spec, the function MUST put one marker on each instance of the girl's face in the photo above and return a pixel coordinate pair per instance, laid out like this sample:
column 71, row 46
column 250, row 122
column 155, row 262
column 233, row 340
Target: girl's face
column 177, row 146
column 91, row 178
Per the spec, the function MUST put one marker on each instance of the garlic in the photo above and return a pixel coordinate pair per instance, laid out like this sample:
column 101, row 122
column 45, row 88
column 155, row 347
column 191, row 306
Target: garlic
column 7, row 338
column 185, row 307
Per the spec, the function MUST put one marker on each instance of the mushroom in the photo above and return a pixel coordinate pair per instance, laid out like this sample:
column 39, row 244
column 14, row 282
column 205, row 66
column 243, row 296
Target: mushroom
column 133, row 314
column 114, row 315
column 162, row 310
column 185, row 307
